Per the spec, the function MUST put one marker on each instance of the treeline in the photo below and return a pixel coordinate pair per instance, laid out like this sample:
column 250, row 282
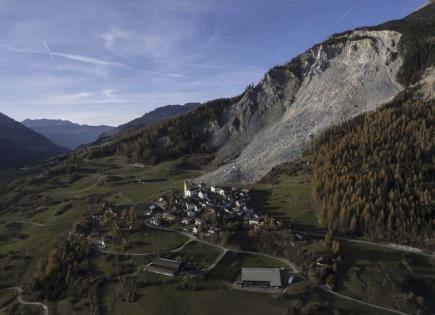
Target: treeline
column 66, row 271
column 374, row 175
column 171, row 138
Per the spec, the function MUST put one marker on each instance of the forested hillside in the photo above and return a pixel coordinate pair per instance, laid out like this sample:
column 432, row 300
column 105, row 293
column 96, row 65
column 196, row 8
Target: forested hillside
column 374, row 175
column 152, row 117
column 171, row 138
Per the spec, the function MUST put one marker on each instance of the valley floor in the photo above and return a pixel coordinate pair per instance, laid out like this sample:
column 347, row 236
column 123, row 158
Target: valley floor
column 40, row 213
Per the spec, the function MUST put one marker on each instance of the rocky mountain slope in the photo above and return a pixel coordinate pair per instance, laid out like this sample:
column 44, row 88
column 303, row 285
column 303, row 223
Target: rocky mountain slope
column 20, row 145
column 349, row 74
column 273, row 122
column 65, row 133
column 336, row 82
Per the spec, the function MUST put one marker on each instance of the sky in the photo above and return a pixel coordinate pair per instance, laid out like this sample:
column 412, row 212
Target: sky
column 110, row 61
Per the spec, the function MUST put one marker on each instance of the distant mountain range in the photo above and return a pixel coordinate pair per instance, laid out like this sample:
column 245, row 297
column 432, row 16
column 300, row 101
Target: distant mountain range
column 65, row 133
column 20, row 145
column 157, row 115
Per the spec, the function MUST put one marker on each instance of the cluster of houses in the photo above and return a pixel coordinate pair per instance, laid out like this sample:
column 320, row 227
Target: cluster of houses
column 202, row 205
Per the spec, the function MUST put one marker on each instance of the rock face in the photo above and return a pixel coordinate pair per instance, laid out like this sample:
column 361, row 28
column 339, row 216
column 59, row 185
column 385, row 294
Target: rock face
column 345, row 76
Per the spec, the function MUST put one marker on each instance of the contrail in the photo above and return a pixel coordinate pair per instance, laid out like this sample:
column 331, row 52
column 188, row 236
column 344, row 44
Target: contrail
column 51, row 56
column 341, row 17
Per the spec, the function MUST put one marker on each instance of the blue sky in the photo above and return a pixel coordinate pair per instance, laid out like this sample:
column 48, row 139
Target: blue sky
column 109, row 61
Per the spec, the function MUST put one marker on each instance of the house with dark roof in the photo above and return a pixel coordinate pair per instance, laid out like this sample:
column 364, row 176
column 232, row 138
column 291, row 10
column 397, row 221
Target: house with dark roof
column 163, row 266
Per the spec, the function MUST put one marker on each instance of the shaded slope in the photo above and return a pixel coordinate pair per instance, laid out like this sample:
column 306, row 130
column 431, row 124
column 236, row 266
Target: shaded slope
column 21, row 145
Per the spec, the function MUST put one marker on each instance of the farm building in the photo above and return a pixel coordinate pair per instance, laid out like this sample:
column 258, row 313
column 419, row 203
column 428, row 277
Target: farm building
column 164, row 266
column 265, row 277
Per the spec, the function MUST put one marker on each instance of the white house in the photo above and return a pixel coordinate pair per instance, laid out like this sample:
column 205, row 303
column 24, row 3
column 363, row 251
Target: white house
column 202, row 195
column 190, row 206
column 155, row 221
column 197, row 208
column 186, row 220
column 221, row 192
column 190, row 213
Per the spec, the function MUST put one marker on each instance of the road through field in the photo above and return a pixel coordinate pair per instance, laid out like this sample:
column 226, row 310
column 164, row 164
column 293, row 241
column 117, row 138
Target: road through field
column 390, row 246
column 23, row 302
column 224, row 251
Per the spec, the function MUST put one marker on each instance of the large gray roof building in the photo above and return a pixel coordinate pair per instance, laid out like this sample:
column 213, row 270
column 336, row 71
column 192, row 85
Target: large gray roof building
column 262, row 276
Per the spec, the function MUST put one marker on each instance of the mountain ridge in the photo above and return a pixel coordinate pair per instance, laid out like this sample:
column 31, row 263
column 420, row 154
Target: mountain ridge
column 154, row 116
column 21, row 145
column 65, row 133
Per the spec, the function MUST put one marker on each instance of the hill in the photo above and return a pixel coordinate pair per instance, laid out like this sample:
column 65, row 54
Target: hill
column 154, row 116
column 65, row 133
column 21, row 145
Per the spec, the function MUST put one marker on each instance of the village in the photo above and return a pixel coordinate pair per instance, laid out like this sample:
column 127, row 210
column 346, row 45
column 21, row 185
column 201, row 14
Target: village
column 203, row 213
column 205, row 210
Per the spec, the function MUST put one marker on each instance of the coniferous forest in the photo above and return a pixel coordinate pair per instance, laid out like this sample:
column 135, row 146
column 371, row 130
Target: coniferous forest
column 374, row 175
column 171, row 138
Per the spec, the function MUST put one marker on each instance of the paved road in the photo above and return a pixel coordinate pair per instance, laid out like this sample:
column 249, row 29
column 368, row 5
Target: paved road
column 21, row 301
column 390, row 246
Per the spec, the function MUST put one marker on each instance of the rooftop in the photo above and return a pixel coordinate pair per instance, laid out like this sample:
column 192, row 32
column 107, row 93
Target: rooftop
column 166, row 263
column 272, row 275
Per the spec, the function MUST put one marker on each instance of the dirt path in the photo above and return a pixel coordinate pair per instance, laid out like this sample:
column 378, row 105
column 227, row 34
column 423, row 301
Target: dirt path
column 391, row 246
column 23, row 302
column 359, row 301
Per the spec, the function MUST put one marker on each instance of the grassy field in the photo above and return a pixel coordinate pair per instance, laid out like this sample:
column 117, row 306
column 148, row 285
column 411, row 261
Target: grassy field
column 21, row 245
column 380, row 277
column 369, row 273
column 199, row 254
column 286, row 193
column 150, row 240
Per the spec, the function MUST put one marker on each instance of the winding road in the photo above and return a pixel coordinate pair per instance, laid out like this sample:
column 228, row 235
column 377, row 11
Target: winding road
column 224, row 251
column 23, row 302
